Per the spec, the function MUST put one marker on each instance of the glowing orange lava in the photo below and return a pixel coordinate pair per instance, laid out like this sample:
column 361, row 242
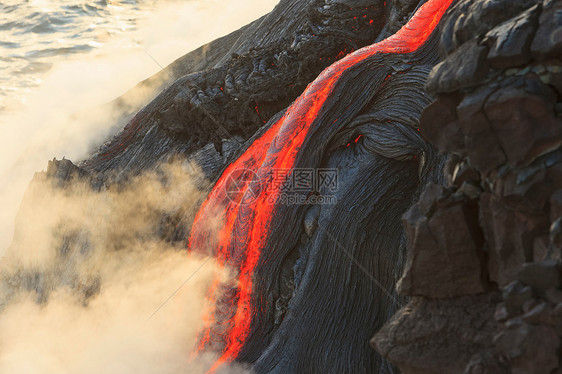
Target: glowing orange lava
column 245, row 221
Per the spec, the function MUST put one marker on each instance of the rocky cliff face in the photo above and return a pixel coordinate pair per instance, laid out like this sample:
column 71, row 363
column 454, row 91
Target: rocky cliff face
column 484, row 252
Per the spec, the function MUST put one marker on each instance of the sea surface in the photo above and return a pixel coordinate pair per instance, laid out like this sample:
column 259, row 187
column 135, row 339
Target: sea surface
column 36, row 34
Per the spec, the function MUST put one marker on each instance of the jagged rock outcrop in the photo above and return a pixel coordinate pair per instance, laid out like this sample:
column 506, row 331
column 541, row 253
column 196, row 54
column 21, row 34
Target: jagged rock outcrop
column 490, row 240
column 234, row 85
column 455, row 249
column 443, row 335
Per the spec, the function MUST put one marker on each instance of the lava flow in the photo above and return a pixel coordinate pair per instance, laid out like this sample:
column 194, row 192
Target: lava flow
column 246, row 219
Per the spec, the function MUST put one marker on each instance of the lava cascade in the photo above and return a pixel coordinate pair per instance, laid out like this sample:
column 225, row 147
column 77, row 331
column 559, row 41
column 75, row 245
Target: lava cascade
column 238, row 239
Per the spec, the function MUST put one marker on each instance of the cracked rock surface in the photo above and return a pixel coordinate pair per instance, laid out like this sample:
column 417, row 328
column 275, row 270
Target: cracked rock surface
column 486, row 248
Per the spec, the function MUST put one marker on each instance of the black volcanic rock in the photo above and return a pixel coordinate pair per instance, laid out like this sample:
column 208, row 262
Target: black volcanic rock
column 439, row 124
column 538, row 313
column 556, row 205
column 470, row 19
column 513, row 113
column 463, row 327
column 505, row 141
column 481, row 145
column 62, row 172
column 509, row 235
column 556, row 317
column 510, row 42
column 548, row 39
column 531, row 349
column 466, row 66
column 488, row 362
column 553, row 296
column 556, row 237
column 515, row 295
column 444, row 244
column 541, row 275
column 234, row 85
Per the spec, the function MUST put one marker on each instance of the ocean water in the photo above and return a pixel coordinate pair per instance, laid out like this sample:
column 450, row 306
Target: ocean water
column 62, row 57
column 38, row 34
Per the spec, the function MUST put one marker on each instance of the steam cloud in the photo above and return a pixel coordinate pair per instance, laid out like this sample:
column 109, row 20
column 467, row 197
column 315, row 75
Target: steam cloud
column 89, row 284
column 47, row 128
column 84, row 284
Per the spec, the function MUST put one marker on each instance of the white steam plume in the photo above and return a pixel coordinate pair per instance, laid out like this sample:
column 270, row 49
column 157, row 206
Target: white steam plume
column 45, row 130
column 90, row 284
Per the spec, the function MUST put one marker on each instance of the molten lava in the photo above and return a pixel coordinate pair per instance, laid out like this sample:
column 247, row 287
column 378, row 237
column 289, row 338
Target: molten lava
column 245, row 219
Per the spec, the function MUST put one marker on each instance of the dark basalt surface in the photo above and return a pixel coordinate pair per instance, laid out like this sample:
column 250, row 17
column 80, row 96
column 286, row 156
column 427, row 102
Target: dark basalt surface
column 233, row 86
column 486, row 248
